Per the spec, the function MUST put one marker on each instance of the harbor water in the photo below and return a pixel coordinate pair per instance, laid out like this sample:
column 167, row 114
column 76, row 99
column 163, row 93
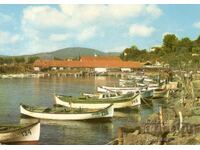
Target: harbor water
column 40, row 92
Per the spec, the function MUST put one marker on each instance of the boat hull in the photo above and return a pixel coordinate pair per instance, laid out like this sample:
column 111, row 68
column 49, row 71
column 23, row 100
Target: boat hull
column 104, row 113
column 29, row 133
column 117, row 89
column 134, row 101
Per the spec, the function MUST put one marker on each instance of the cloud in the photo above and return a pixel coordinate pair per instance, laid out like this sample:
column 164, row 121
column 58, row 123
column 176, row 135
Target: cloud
column 140, row 30
column 78, row 15
column 44, row 24
column 43, row 17
column 154, row 10
column 87, row 34
column 197, row 25
column 72, row 16
column 58, row 37
column 124, row 11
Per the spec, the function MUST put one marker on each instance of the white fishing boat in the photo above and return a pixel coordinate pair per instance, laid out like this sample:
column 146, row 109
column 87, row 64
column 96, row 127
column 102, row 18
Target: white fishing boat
column 78, row 102
column 29, row 132
column 123, row 90
column 143, row 91
column 63, row 113
column 123, row 82
column 106, row 95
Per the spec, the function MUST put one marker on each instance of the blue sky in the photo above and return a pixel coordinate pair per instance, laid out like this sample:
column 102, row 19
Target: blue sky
column 28, row 29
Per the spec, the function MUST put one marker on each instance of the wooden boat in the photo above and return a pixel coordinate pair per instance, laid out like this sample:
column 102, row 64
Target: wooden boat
column 63, row 113
column 28, row 132
column 79, row 102
column 160, row 93
column 123, row 90
column 126, row 82
column 107, row 95
column 144, row 91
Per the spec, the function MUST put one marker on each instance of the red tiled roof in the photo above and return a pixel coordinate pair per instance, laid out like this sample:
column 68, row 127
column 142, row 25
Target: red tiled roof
column 90, row 62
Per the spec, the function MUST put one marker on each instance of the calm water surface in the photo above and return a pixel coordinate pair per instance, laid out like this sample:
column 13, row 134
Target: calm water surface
column 39, row 92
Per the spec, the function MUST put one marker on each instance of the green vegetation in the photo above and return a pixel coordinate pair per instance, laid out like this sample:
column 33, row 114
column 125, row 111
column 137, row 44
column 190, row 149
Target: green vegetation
column 8, row 60
column 16, row 64
column 32, row 59
column 184, row 53
column 10, row 69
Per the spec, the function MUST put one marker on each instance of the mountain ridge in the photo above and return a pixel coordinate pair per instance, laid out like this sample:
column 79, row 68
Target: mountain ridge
column 69, row 52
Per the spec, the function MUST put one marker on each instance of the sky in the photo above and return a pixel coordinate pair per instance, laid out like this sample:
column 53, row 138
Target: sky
column 29, row 29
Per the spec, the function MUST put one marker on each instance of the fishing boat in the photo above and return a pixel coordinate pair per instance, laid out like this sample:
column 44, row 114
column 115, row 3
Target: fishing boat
column 106, row 95
column 28, row 132
column 143, row 91
column 160, row 93
column 63, row 113
column 126, row 82
column 84, row 102
column 123, row 90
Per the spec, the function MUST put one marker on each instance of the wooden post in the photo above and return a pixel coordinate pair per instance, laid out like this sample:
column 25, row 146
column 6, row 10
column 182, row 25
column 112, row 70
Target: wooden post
column 181, row 120
column 192, row 88
column 120, row 136
column 161, row 117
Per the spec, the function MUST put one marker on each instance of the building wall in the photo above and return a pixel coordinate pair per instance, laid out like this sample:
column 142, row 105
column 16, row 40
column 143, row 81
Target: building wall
column 126, row 69
column 36, row 68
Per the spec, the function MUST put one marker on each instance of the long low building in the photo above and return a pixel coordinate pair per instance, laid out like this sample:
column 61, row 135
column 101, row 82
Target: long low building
column 90, row 63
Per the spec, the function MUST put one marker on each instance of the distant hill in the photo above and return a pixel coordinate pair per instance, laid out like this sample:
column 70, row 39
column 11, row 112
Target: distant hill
column 71, row 52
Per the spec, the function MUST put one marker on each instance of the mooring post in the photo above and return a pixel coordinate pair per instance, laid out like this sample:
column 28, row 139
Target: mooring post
column 161, row 118
column 120, row 136
column 181, row 120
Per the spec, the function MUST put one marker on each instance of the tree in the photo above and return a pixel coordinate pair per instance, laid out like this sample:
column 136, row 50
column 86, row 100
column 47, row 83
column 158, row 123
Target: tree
column 32, row 59
column 19, row 59
column 197, row 41
column 8, row 60
column 131, row 53
column 185, row 44
column 170, row 42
